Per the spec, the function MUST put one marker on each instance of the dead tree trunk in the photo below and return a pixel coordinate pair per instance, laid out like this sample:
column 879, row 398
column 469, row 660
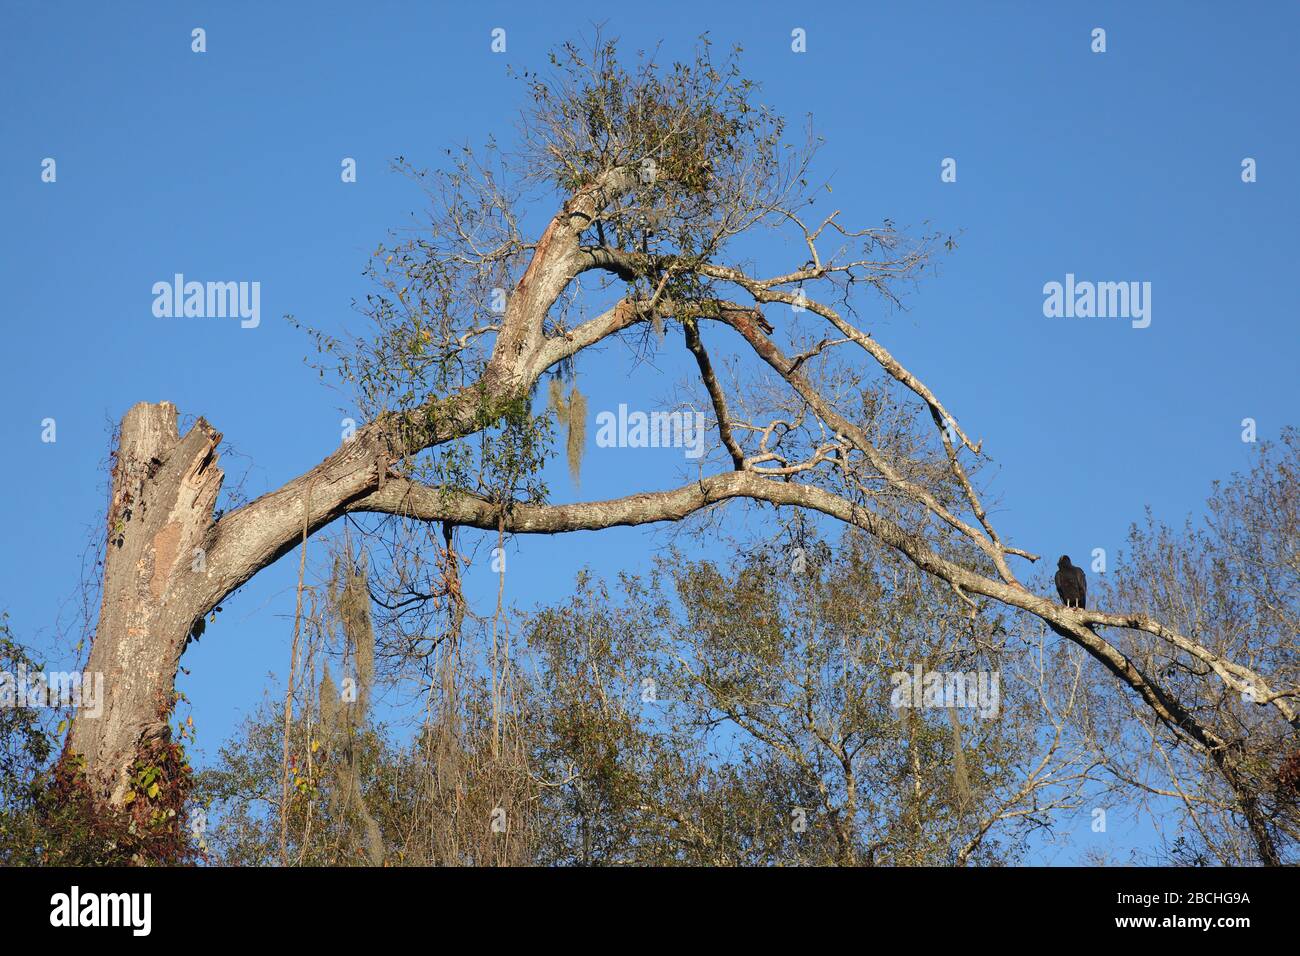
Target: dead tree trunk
column 160, row 512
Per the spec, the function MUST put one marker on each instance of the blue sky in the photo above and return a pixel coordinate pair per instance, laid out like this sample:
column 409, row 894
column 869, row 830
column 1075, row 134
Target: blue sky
column 1124, row 165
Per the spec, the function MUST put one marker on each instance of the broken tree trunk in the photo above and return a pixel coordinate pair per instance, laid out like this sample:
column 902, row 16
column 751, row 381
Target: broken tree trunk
column 160, row 513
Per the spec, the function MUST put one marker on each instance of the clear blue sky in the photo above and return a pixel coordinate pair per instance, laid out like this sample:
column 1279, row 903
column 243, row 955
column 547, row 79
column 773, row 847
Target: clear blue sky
column 1117, row 166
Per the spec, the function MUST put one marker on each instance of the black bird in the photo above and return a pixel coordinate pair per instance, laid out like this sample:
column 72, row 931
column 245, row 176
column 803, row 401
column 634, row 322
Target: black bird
column 1071, row 583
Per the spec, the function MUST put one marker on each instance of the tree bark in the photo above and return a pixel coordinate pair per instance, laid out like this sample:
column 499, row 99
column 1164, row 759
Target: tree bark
column 164, row 488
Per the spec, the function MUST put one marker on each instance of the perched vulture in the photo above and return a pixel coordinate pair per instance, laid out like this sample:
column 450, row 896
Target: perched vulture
column 1071, row 583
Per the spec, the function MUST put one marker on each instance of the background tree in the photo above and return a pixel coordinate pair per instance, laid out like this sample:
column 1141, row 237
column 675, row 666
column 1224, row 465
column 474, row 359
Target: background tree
column 25, row 748
column 705, row 716
column 796, row 650
column 1234, row 580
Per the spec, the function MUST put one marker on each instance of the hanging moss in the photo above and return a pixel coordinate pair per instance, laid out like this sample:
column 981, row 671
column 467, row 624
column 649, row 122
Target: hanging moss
column 556, row 401
column 577, row 443
column 571, row 412
column 328, row 702
column 960, row 778
column 341, row 720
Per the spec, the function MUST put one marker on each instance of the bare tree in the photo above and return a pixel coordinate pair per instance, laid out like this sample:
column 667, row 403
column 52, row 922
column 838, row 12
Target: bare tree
column 654, row 173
